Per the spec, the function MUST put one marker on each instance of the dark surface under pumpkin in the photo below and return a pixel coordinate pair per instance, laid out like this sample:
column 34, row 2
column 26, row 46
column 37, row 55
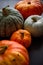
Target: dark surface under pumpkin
column 36, row 48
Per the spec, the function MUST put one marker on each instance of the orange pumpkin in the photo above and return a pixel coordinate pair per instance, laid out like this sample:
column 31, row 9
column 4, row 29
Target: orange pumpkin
column 13, row 53
column 22, row 36
column 29, row 7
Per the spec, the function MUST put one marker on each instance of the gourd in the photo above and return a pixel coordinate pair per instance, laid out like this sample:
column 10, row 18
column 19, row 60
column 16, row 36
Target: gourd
column 29, row 7
column 12, row 53
column 22, row 36
column 10, row 21
column 34, row 24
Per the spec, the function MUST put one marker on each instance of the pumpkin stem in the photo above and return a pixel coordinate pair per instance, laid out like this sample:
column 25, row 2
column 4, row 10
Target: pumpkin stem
column 2, row 49
column 34, row 19
column 5, row 11
column 29, row 3
column 22, row 35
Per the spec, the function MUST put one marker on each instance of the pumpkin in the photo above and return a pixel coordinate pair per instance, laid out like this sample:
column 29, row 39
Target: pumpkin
column 34, row 24
column 10, row 21
column 41, row 4
column 22, row 36
column 12, row 53
column 29, row 7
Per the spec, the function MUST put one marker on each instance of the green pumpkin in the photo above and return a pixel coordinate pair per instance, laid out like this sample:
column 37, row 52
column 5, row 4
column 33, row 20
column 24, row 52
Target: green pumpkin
column 10, row 21
column 34, row 24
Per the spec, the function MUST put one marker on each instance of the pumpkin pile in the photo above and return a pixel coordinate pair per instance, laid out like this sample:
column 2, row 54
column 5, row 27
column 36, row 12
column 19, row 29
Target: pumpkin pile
column 18, row 24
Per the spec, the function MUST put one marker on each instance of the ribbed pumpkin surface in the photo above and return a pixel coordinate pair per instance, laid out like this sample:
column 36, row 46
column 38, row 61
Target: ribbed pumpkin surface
column 10, row 21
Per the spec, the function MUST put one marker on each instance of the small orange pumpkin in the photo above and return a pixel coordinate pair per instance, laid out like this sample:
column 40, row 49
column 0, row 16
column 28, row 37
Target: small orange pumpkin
column 22, row 36
column 29, row 7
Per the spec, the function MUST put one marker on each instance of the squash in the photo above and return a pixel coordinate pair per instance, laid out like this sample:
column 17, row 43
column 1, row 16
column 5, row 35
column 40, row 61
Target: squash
column 10, row 21
column 12, row 53
column 22, row 36
column 34, row 24
column 42, row 4
column 29, row 7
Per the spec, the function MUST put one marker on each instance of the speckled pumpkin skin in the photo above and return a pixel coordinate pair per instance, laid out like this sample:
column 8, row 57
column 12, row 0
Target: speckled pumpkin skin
column 10, row 21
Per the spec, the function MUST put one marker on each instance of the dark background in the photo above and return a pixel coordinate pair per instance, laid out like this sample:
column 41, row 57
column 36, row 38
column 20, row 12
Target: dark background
column 36, row 48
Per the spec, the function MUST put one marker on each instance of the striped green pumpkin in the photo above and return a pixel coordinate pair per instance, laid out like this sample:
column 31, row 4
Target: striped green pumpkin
column 10, row 21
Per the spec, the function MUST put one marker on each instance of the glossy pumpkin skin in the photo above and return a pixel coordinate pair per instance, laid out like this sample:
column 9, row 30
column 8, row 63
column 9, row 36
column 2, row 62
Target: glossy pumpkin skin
column 22, row 36
column 10, row 21
column 12, row 53
column 29, row 7
column 34, row 24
